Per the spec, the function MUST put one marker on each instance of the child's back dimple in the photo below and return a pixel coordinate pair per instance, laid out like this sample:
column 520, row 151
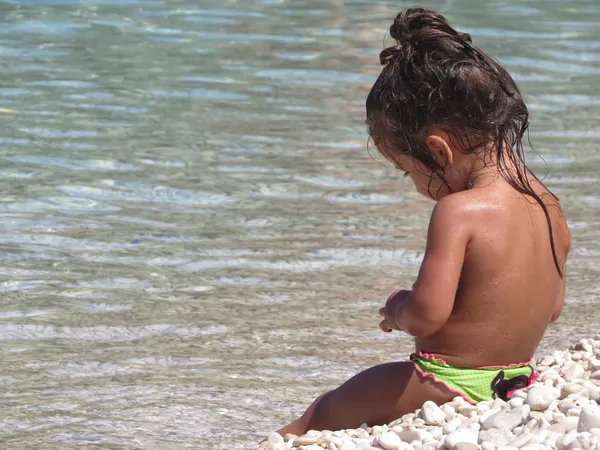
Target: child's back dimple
column 509, row 285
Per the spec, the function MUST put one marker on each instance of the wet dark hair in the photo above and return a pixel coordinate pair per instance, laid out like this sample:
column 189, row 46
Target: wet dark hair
column 435, row 77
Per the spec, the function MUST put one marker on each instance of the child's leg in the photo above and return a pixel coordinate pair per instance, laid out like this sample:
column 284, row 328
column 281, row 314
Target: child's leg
column 376, row 396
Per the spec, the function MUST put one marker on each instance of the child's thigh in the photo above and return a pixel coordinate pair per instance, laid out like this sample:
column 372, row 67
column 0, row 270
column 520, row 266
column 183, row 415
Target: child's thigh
column 376, row 396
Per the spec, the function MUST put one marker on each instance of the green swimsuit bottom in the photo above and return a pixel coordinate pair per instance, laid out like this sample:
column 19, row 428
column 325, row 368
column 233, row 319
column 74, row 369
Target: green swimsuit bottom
column 476, row 384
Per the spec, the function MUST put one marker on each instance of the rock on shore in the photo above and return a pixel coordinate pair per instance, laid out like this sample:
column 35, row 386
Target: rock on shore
column 560, row 411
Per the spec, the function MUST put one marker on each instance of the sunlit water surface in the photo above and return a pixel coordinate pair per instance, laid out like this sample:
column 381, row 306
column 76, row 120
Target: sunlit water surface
column 194, row 239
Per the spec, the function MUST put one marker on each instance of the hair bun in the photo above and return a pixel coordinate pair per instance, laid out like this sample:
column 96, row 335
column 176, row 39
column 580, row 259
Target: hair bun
column 421, row 25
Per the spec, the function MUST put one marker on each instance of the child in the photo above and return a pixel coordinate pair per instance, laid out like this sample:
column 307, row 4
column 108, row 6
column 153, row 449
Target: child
column 493, row 276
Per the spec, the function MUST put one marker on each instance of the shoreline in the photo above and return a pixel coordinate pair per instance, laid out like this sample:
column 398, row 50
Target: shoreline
column 559, row 411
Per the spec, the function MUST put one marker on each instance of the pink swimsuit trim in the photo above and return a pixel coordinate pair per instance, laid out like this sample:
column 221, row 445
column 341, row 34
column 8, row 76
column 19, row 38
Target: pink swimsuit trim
column 438, row 359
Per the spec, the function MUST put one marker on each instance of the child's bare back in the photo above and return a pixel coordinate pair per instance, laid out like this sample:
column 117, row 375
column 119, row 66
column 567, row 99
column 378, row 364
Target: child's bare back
column 509, row 289
column 493, row 275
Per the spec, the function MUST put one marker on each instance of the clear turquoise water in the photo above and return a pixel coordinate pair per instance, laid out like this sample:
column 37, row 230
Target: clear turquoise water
column 194, row 239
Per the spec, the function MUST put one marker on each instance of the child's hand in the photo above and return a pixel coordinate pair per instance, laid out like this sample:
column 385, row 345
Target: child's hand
column 390, row 311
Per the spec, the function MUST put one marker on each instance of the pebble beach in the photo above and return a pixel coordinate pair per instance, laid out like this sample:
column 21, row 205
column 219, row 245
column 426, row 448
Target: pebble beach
column 560, row 411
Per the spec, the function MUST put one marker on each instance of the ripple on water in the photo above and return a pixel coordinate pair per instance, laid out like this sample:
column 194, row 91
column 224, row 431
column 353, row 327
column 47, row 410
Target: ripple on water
column 210, row 20
column 121, row 109
column 129, row 367
column 369, row 257
column 298, row 266
column 22, row 332
column 313, row 77
column 282, row 192
column 225, row 37
column 365, row 198
column 330, row 182
column 25, row 313
column 59, row 134
column 244, row 281
column 244, row 13
column 105, row 307
column 569, row 180
column 148, row 193
column 206, row 94
column 73, row 164
column 113, row 283
column 42, row 27
column 70, row 84
column 61, row 242
column 550, row 65
column 22, row 285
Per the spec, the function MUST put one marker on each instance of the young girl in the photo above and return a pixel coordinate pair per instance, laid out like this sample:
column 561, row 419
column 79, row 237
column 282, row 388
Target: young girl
column 493, row 275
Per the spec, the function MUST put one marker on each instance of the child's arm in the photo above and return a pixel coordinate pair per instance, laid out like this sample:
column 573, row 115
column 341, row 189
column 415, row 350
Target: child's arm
column 427, row 307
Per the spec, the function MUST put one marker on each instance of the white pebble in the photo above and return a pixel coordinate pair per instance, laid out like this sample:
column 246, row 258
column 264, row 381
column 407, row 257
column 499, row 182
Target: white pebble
column 306, row 440
column 463, row 435
column 549, row 374
column 432, row 414
column 498, row 404
column 571, row 423
column 451, row 426
column 465, row 446
column 337, row 441
column 523, row 439
column 377, row 430
column 389, row 441
column 466, row 409
column 515, row 402
column 573, row 371
column 313, row 447
column 450, row 411
column 431, row 446
column 496, row 436
column 540, row 397
column 573, row 388
column 508, row 419
column 572, row 401
column 566, row 439
column 589, row 419
column 275, row 438
column 487, row 414
column 348, row 445
column 434, row 432
column 483, row 407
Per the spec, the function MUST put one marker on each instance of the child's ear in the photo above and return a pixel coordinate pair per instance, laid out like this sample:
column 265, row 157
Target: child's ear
column 439, row 148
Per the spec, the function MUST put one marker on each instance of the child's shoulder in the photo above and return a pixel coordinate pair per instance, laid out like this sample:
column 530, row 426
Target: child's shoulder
column 462, row 205
column 454, row 215
column 463, row 213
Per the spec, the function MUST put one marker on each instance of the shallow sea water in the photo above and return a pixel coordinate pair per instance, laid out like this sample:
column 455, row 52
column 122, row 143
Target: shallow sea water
column 194, row 240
